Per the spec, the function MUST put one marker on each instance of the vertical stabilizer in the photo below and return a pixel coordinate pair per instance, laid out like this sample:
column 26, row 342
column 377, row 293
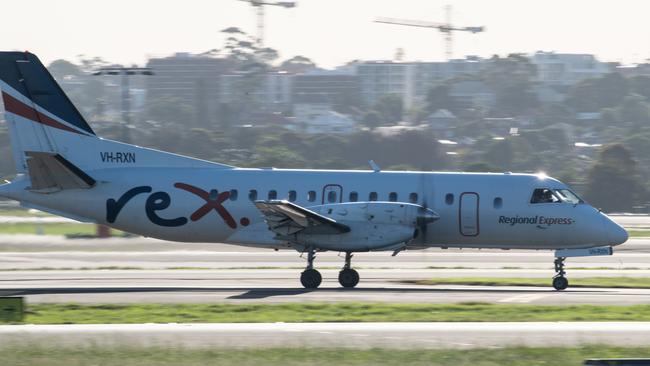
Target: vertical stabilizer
column 35, row 107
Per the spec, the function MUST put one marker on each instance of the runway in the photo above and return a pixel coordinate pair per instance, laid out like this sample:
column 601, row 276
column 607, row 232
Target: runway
column 351, row 335
column 280, row 286
column 136, row 270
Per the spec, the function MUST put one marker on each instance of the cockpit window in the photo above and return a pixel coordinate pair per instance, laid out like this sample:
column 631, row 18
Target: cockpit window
column 568, row 196
column 544, row 195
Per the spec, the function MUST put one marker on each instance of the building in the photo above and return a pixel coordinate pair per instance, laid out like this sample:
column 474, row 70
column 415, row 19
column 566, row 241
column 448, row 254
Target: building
column 426, row 74
column 319, row 118
column 410, row 80
column 272, row 91
column 472, row 93
column 567, row 68
column 190, row 78
column 325, row 87
column 379, row 78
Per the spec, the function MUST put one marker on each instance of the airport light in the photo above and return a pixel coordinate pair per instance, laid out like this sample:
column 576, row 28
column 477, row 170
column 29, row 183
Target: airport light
column 125, row 72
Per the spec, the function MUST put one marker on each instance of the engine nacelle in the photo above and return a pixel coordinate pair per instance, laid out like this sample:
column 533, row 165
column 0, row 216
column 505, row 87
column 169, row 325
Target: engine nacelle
column 373, row 225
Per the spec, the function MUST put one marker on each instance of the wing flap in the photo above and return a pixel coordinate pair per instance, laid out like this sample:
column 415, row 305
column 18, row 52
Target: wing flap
column 286, row 218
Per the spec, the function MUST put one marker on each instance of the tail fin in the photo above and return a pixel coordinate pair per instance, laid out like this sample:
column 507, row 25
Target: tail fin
column 34, row 105
column 42, row 119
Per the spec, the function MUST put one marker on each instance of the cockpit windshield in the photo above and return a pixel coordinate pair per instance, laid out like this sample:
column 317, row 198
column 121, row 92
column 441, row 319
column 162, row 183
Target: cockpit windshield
column 544, row 195
column 548, row 195
column 568, row 196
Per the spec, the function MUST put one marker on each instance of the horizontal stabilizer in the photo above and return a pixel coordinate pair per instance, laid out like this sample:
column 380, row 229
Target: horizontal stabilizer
column 51, row 172
column 286, row 218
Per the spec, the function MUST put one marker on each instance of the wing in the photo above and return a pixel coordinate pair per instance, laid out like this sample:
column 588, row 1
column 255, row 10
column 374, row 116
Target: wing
column 286, row 218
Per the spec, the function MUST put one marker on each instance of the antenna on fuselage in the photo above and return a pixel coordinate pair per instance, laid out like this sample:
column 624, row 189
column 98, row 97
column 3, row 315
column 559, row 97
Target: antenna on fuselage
column 374, row 166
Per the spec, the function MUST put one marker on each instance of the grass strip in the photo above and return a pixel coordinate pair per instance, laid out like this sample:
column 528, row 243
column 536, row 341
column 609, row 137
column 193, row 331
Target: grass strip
column 69, row 229
column 21, row 212
column 162, row 356
column 638, row 233
column 326, row 312
column 607, row 282
column 47, row 228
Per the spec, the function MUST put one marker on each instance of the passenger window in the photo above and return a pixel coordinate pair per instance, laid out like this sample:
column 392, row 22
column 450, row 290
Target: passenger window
column 233, row 195
column 413, row 197
column 252, row 195
column 449, row 199
column 354, row 196
column 311, row 196
column 544, row 195
column 292, row 196
column 273, row 194
column 372, row 196
column 498, row 202
column 331, row 196
column 392, row 197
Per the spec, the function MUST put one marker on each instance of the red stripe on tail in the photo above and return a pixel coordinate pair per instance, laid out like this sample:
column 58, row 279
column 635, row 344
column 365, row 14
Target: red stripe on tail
column 19, row 108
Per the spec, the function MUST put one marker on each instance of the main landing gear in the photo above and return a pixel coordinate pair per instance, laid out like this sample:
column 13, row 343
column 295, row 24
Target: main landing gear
column 559, row 281
column 311, row 278
column 348, row 277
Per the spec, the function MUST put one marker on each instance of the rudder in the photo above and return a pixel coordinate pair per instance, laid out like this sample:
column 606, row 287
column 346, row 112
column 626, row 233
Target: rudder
column 34, row 103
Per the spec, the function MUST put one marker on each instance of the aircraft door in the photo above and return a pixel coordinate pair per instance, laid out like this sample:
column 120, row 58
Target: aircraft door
column 468, row 214
column 332, row 193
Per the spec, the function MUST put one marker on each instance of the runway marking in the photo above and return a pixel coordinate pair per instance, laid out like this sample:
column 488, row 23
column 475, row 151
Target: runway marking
column 525, row 298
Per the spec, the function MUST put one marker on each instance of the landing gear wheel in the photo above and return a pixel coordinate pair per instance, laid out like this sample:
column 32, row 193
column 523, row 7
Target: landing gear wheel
column 310, row 278
column 560, row 283
column 348, row 277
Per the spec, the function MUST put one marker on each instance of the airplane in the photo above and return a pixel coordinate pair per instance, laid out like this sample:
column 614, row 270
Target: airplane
column 64, row 168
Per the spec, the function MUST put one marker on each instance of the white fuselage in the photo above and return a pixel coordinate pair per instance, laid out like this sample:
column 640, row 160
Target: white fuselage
column 477, row 210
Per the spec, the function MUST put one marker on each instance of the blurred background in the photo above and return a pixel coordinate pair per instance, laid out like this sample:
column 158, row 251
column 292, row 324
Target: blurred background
column 414, row 85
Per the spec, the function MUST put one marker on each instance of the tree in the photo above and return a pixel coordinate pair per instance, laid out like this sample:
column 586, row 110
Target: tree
column 438, row 98
column 91, row 64
column 512, row 79
column 597, row 93
column 641, row 85
column 390, row 107
column 613, row 183
column 170, row 110
column 500, row 154
column 297, row 65
column 61, row 69
column 634, row 108
column 372, row 119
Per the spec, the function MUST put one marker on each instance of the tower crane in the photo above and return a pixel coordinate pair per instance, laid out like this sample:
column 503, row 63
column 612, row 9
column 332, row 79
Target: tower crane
column 259, row 7
column 447, row 29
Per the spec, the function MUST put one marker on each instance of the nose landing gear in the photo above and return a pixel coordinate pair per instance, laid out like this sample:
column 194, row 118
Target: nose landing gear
column 560, row 282
column 310, row 278
column 348, row 277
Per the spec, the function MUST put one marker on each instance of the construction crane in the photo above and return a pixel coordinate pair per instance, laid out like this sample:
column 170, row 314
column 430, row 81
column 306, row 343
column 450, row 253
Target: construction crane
column 259, row 7
column 446, row 28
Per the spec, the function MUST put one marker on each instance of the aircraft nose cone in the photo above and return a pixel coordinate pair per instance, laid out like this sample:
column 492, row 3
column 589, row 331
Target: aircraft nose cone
column 615, row 232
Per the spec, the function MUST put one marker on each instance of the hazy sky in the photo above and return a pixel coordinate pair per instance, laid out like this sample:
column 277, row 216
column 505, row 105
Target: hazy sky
column 331, row 32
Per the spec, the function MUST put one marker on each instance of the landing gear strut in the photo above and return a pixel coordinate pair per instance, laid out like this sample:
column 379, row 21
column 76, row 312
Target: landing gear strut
column 310, row 278
column 559, row 281
column 348, row 277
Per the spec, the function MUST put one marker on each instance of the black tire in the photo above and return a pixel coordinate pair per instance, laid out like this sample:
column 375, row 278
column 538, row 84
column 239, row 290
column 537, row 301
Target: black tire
column 560, row 283
column 348, row 278
column 310, row 278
